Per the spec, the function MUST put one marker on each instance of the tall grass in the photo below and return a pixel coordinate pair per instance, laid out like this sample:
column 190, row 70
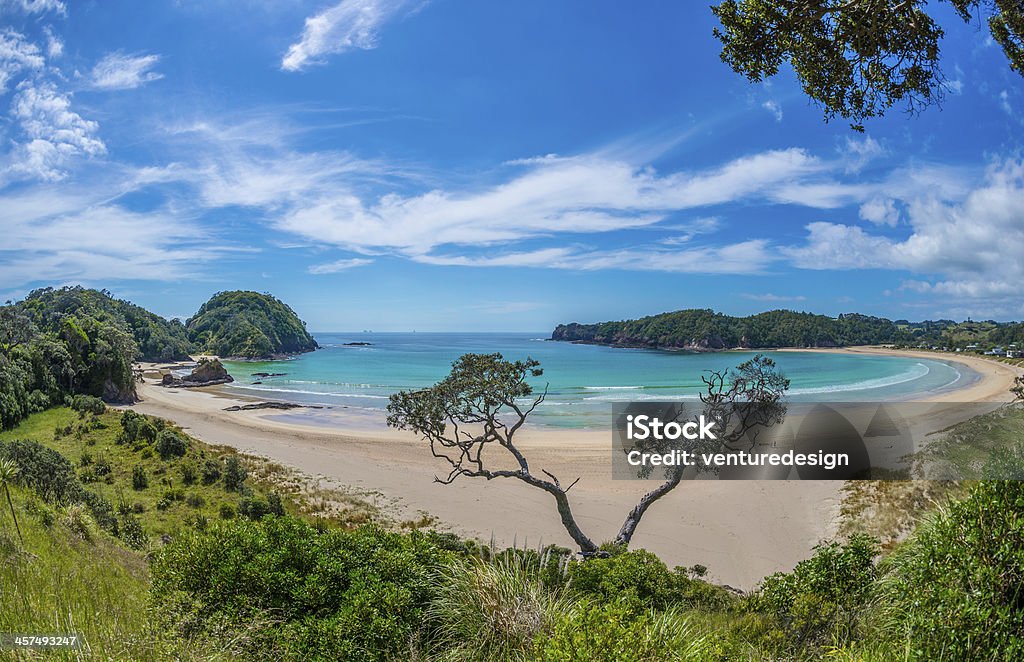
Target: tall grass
column 493, row 609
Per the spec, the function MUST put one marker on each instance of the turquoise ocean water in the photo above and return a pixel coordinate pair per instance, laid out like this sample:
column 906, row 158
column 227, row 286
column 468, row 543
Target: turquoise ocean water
column 583, row 380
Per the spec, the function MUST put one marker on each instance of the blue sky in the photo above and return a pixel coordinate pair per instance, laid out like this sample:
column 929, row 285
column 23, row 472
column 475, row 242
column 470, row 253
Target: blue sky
column 457, row 165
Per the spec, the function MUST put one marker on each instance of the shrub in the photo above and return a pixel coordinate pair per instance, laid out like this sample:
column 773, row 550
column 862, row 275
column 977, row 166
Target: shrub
column 641, row 576
column 616, row 632
column 955, row 588
column 170, row 444
column 356, row 595
column 211, row 472
column 253, row 507
column 132, row 533
column 136, row 428
column 195, row 501
column 822, row 600
column 102, row 466
column 44, row 470
column 140, row 480
column 189, row 473
column 234, row 474
column 87, row 404
column 174, row 494
column 226, row 511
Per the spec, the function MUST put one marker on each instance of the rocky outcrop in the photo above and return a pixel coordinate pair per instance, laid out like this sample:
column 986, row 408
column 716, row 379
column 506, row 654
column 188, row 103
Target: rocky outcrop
column 208, row 372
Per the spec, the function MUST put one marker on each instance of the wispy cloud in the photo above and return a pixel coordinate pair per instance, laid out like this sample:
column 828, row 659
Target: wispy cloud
column 772, row 298
column 17, row 55
column 33, row 6
column 348, row 25
column 338, row 265
column 774, row 108
column 120, row 71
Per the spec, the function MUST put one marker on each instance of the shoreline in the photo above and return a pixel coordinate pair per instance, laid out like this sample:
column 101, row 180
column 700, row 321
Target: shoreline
column 741, row 530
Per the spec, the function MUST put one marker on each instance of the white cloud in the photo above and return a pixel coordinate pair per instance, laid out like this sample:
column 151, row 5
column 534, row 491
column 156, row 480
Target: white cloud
column 1004, row 102
column 880, row 211
column 348, row 25
column 772, row 298
column 54, row 45
column 118, row 71
column 338, row 265
column 34, row 6
column 63, row 233
column 774, row 108
column 584, row 194
column 746, row 257
column 859, row 153
column 972, row 246
column 17, row 55
column 53, row 133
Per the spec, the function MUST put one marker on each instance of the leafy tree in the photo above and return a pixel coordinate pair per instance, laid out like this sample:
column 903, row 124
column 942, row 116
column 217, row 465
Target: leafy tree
column 16, row 328
column 485, row 401
column 856, row 58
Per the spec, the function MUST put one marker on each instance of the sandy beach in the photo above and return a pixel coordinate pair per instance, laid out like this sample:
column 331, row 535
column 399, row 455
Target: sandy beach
column 740, row 530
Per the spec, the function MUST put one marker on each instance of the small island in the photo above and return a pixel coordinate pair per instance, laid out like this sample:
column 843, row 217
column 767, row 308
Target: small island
column 248, row 325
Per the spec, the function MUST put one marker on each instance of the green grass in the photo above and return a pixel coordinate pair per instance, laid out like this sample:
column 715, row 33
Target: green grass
column 59, row 583
column 88, row 444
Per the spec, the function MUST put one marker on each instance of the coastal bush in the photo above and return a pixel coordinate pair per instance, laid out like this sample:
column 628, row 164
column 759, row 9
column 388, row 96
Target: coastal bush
column 140, row 479
column 955, row 588
column 641, row 577
column 823, row 600
column 170, row 444
column 211, row 472
column 136, row 427
column 616, row 632
column 234, row 474
column 87, row 404
column 356, row 595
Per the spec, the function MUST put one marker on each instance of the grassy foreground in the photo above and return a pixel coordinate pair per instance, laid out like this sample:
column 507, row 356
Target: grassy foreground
column 242, row 567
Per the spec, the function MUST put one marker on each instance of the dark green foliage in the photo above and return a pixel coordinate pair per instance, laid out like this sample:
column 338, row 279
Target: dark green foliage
column 189, row 473
column 132, row 533
column 136, row 427
column 256, row 507
column 234, row 474
column 618, row 632
column 211, row 472
column 52, row 477
column 706, row 329
column 170, row 444
column 333, row 595
column 140, row 480
column 821, row 601
column 855, row 58
column 155, row 338
column 642, row 578
column 87, row 404
column 248, row 325
column 955, row 589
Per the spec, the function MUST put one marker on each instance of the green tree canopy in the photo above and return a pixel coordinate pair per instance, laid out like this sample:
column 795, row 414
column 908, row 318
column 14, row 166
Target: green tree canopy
column 856, row 58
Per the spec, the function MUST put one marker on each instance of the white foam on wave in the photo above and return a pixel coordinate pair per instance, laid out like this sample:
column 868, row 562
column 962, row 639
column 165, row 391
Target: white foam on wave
column 917, row 371
column 304, row 392
column 613, row 388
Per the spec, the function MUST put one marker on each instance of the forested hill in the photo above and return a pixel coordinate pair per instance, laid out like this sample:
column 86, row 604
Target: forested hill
column 705, row 330
column 248, row 325
column 61, row 343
